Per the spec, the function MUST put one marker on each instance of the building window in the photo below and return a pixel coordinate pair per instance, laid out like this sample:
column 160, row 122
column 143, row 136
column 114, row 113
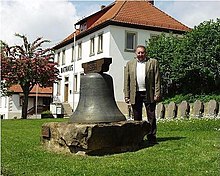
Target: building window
column 100, row 43
column 58, row 58
column 92, row 46
column 21, row 101
column 66, row 79
column 63, row 57
column 83, row 27
column 73, row 54
column 130, row 41
column 75, row 83
column 79, row 51
column 153, row 36
column 58, row 87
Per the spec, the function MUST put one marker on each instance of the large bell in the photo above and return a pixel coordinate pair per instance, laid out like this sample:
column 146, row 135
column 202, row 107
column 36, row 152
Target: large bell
column 97, row 103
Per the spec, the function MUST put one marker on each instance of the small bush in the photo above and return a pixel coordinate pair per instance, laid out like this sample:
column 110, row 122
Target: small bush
column 46, row 112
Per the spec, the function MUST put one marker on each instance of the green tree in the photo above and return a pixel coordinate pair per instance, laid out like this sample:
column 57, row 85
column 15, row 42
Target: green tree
column 191, row 63
column 166, row 48
column 27, row 65
column 201, row 52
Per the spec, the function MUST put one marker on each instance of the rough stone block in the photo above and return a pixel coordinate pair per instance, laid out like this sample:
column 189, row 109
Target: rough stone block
column 171, row 111
column 206, row 110
column 213, row 108
column 183, row 110
column 94, row 138
column 218, row 116
column 160, row 111
column 198, row 109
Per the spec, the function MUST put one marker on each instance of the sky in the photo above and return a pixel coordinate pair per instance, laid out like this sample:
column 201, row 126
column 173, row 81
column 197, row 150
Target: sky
column 54, row 19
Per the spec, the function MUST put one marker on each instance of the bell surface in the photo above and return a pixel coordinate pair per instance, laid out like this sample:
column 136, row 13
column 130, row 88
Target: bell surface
column 97, row 103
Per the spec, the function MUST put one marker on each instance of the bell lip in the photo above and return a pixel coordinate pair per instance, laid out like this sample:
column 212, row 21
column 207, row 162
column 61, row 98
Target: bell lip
column 95, row 74
column 83, row 121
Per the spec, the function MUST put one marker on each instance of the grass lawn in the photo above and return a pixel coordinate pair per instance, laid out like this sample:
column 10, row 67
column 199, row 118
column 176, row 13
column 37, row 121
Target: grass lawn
column 186, row 147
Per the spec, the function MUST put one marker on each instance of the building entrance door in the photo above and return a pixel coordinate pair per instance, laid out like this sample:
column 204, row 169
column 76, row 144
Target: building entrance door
column 66, row 90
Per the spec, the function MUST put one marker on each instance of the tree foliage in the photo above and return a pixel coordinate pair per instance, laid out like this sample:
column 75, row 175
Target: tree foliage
column 27, row 65
column 191, row 63
column 203, row 52
column 166, row 49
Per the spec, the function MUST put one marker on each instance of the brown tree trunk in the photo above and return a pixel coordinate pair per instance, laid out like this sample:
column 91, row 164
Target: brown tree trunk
column 26, row 91
column 25, row 105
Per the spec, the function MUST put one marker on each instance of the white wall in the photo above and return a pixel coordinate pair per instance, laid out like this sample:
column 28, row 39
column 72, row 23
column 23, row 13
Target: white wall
column 10, row 106
column 4, row 107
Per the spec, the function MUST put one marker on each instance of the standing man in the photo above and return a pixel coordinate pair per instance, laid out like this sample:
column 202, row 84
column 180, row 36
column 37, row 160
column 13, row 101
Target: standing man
column 142, row 85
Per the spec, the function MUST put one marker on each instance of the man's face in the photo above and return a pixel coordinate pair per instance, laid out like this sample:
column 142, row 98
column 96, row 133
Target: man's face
column 140, row 53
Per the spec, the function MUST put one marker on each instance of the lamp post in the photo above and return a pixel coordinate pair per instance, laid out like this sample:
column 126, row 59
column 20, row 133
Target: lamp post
column 74, row 63
column 74, row 66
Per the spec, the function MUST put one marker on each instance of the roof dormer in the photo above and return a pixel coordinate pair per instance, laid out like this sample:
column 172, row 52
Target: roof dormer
column 83, row 27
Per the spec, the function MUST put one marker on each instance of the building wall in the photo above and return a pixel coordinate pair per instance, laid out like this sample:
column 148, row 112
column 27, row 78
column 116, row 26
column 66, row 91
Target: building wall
column 4, row 107
column 10, row 107
column 114, row 47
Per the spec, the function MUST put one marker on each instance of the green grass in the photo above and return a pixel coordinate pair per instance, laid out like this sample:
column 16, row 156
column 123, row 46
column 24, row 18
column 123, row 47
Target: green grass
column 186, row 147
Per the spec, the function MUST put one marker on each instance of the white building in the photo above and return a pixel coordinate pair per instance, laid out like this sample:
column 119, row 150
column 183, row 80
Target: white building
column 113, row 31
column 11, row 106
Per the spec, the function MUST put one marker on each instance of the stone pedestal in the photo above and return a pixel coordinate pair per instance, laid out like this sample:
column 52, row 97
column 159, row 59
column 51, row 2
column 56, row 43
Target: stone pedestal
column 94, row 138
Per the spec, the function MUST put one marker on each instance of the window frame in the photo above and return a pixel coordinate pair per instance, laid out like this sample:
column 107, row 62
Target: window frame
column 73, row 53
column 92, row 46
column 58, row 92
column 79, row 56
column 58, row 58
column 100, row 43
column 134, row 42
column 75, row 82
column 63, row 56
column 83, row 27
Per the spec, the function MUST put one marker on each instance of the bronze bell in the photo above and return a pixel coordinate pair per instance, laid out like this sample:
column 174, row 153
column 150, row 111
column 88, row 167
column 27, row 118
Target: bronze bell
column 96, row 103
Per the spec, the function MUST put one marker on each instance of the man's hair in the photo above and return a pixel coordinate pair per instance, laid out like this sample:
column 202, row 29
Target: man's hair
column 141, row 46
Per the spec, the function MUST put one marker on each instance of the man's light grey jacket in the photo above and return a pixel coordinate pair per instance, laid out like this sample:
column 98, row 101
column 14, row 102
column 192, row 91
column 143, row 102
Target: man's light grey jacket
column 152, row 80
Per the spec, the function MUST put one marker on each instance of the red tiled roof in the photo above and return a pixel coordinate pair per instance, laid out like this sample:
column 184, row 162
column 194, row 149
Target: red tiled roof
column 71, row 36
column 47, row 90
column 148, row 14
column 139, row 12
